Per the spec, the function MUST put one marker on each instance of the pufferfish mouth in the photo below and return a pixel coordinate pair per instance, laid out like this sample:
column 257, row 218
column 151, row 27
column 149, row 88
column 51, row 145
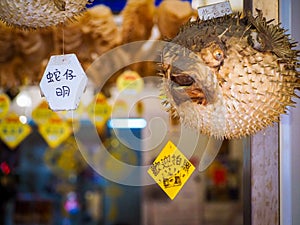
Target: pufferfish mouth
column 184, row 88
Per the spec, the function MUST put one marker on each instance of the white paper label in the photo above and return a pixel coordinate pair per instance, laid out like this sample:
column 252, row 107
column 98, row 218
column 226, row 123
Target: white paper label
column 214, row 10
column 63, row 82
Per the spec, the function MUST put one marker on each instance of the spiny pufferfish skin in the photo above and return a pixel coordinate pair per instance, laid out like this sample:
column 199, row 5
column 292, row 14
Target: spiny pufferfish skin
column 229, row 77
column 39, row 13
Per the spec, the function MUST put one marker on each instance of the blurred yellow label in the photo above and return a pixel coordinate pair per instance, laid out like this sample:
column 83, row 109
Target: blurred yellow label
column 12, row 131
column 42, row 113
column 4, row 105
column 171, row 169
column 99, row 110
column 120, row 108
column 55, row 131
column 130, row 81
column 66, row 159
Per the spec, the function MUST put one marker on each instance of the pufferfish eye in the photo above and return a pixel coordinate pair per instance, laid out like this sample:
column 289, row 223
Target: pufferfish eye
column 218, row 55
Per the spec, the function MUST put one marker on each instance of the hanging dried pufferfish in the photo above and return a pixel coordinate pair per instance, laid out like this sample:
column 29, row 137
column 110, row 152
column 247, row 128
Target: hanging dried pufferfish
column 230, row 76
column 39, row 13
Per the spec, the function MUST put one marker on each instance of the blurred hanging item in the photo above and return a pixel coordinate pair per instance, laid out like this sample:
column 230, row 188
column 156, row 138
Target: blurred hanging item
column 7, row 55
column 137, row 20
column 4, row 105
column 95, row 33
column 39, row 13
column 13, row 131
column 33, row 48
column 171, row 15
column 23, row 54
column 230, row 76
column 65, row 160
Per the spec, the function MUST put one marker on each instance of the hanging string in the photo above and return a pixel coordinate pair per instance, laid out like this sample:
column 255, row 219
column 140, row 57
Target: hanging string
column 63, row 39
column 63, row 32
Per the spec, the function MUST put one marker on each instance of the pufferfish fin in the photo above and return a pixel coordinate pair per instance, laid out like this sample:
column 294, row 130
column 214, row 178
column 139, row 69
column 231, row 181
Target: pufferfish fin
column 270, row 37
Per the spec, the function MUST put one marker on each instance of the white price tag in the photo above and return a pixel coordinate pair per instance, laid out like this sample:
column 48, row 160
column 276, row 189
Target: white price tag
column 63, row 82
column 214, row 10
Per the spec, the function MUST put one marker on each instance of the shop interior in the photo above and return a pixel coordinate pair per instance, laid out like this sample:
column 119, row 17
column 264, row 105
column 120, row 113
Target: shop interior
column 89, row 166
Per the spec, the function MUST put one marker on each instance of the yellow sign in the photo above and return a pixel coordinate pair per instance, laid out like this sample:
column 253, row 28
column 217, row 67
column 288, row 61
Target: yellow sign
column 42, row 113
column 130, row 81
column 55, row 131
column 12, row 131
column 99, row 110
column 66, row 159
column 4, row 105
column 171, row 169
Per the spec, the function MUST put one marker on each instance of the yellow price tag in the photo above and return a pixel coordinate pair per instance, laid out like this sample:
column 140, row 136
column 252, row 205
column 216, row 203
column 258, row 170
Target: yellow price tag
column 4, row 105
column 171, row 169
column 42, row 113
column 99, row 110
column 55, row 131
column 130, row 81
column 12, row 131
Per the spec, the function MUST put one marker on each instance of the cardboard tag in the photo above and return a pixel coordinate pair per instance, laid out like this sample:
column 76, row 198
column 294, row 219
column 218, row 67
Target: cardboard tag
column 4, row 105
column 214, row 10
column 55, row 131
column 63, row 82
column 171, row 169
column 12, row 131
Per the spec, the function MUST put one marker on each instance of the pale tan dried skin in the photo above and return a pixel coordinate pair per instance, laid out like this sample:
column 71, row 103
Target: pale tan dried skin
column 256, row 93
column 6, row 44
column 33, row 48
column 171, row 15
column 39, row 13
column 252, row 85
column 138, row 16
column 101, row 30
column 94, row 33
column 25, row 52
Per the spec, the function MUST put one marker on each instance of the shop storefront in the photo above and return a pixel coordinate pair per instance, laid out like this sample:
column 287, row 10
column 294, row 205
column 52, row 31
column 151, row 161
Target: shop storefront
column 134, row 134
